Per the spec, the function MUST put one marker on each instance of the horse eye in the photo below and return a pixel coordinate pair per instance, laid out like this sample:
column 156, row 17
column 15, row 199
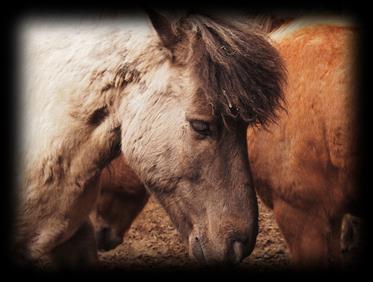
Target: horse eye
column 201, row 127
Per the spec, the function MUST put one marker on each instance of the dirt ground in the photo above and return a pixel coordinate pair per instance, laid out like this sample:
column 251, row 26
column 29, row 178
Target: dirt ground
column 153, row 242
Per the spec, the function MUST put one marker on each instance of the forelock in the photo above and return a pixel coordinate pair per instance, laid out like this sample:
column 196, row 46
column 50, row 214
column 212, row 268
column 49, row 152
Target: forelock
column 241, row 74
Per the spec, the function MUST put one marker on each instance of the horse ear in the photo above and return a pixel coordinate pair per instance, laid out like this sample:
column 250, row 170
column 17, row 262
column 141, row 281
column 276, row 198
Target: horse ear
column 163, row 27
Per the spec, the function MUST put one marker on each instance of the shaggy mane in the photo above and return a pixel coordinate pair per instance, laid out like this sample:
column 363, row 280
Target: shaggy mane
column 242, row 73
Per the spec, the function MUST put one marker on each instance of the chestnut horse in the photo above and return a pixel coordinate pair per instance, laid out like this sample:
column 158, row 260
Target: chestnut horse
column 92, row 88
column 122, row 197
column 304, row 164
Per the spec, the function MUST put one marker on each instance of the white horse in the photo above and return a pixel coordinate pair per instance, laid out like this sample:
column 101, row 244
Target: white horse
column 174, row 96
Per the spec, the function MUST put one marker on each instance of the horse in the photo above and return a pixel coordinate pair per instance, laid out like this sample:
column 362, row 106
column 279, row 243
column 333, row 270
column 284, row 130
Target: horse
column 174, row 95
column 121, row 198
column 304, row 166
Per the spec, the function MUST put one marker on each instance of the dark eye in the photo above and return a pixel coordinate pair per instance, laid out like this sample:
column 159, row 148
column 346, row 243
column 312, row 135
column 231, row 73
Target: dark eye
column 201, row 127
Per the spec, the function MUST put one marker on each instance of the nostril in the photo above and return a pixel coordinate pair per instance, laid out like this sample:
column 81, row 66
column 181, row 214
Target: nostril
column 196, row 249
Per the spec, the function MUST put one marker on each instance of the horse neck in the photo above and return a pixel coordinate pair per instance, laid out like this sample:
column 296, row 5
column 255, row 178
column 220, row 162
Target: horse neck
column 80, row 88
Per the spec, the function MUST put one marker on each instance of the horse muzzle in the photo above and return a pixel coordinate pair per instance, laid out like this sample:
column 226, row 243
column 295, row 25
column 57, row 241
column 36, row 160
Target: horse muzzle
column 106, row 239
column 229, row 252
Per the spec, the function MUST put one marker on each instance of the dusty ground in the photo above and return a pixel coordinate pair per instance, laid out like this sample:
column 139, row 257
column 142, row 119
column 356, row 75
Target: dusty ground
column 153, row 242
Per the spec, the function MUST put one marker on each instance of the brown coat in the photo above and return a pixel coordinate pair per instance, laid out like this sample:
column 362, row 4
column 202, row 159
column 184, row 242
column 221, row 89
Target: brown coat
column 304, row 165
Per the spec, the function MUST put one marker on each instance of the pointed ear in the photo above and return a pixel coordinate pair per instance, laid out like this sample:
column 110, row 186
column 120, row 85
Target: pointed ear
column 163, row 27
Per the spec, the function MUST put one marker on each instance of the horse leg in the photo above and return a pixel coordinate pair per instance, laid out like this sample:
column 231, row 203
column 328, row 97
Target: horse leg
column 313, row 239
column 78, row 251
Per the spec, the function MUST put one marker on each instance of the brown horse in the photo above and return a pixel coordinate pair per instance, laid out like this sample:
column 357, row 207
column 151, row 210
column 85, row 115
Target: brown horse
column 122, row 197
column 304, row 165
column 92, row 88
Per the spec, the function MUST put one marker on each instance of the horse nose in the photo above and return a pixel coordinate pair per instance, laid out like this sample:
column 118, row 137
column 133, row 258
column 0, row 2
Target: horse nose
column 229, row 251
column 106, row 240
